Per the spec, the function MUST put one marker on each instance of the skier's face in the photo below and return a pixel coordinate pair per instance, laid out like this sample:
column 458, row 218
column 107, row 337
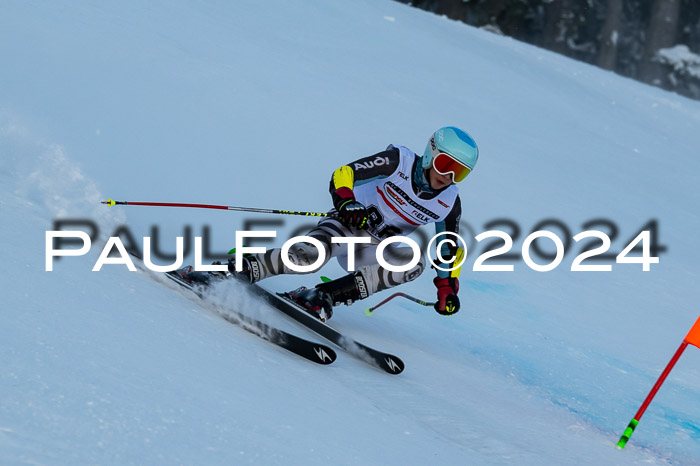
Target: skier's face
column 438, row 181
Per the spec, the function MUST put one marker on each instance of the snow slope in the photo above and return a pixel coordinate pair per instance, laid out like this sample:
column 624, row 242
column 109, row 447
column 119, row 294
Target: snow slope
column 254, row 104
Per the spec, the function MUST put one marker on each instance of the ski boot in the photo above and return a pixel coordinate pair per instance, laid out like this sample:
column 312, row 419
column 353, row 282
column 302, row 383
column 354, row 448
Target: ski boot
column 252, row 271
column 200, row 278
column 316, row 302
column 320, row 300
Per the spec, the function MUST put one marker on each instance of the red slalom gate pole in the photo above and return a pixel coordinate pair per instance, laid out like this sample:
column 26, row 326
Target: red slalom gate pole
column 693, row 338
column 635, row 420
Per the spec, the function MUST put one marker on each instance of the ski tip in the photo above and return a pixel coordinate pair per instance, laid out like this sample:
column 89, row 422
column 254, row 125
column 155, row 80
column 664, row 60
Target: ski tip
column 393, row 365
column 232, row 251
column 325, row 279
column 324, row 355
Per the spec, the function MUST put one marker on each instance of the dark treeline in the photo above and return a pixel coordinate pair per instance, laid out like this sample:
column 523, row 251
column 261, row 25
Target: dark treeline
column 654, row 41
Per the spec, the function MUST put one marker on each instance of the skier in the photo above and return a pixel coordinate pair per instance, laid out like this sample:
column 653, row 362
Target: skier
column 386, row 194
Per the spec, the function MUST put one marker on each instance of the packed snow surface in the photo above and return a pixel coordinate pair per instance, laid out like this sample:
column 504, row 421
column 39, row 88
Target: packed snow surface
column 252, row 103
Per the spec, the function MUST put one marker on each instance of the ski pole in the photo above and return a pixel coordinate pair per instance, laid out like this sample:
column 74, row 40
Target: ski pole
column 111, row 203
column 370, row 310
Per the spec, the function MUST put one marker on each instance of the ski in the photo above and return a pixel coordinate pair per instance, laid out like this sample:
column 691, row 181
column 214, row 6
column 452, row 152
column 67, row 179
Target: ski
column 385, row 361
column 312, row 351
column 315, row 352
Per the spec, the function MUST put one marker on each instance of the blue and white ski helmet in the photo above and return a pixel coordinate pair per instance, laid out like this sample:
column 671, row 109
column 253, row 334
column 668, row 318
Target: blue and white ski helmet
column 452, row 141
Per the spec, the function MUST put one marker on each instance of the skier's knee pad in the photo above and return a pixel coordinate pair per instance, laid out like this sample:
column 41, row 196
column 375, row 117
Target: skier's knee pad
column 401, row 257
column 414, row 272
column 304, row 254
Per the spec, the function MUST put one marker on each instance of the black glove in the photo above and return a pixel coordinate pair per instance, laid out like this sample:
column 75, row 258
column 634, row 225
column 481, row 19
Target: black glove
column 352, row 214
column 448, row 302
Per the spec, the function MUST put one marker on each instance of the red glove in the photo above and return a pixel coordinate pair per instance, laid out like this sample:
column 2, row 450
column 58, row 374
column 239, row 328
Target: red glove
column 448, row 302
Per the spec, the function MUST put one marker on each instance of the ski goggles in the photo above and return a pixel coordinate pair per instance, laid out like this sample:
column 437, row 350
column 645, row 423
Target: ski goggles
column 445, row 164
